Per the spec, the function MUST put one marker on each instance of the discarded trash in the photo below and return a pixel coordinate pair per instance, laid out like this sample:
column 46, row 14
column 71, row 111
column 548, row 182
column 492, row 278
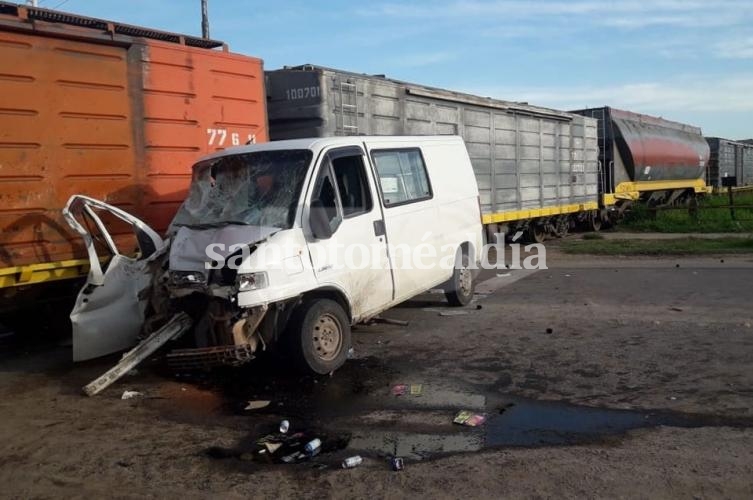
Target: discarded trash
column 351, row 353
column 131, row 395
column 389, row 321
column 501, row 275
column 284, row 426
column 266, row 439
column 403, row 389
column 255, row 405
column 399, row 389
column 453, row 313
column 678, row 309
column 351, row 462
column 478, row 307
column 397, row 463
column 313, row 447
column 293, row 457
column 470, row 419
column 272, row 447
column 549, row 330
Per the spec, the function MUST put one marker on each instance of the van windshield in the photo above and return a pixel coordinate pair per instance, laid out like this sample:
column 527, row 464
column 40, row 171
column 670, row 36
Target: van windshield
column 260, row 189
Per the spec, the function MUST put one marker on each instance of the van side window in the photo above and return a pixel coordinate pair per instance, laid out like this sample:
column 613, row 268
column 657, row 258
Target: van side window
column 402, row 176
column 352, row 183
column 324, row 192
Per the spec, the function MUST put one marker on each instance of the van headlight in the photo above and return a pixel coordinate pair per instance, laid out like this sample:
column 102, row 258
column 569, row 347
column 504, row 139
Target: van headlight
column 252, row 281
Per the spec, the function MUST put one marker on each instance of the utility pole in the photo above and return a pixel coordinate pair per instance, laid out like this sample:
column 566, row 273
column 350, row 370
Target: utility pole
column 204, row 19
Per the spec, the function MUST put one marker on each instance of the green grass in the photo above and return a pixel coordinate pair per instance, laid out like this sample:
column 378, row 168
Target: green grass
column 710, row 220
column 680, row 246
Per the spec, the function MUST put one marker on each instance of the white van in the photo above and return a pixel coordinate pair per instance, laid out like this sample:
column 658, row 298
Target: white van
column 289, row 241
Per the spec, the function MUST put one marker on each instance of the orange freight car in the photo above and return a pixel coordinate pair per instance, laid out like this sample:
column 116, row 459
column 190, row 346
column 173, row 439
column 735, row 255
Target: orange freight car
column 113, row 111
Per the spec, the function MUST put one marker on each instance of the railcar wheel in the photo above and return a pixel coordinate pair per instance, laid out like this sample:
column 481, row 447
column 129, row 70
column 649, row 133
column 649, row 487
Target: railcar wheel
column 536, row 233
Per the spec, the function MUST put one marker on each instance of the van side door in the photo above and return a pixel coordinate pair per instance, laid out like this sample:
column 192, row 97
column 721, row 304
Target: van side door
column 354, row 257
column 414, row 233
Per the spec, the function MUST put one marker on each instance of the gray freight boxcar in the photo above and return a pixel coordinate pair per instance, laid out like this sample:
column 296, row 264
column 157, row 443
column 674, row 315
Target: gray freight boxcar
column 730, row 160
column 535, row 167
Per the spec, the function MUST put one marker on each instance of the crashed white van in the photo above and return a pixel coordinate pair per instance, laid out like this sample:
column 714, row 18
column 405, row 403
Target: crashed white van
column 290, row 241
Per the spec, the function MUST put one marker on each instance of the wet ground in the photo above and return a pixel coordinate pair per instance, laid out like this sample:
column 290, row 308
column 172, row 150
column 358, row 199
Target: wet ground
column 590, row 375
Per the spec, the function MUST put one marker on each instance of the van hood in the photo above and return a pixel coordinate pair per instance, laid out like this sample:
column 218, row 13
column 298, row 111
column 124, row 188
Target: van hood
column 188, row 250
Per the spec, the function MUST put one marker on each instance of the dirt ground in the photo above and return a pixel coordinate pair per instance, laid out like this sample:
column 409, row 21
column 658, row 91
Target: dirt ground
column 599, row 377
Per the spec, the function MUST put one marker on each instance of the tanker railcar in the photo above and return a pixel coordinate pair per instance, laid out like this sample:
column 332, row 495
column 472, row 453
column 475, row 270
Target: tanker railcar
column 647, row 158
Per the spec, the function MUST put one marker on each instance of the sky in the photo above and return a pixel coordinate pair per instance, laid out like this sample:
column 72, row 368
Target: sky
column 684, row 60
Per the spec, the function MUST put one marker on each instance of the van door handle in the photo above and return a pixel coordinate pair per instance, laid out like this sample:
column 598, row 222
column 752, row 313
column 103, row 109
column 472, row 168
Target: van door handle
column 379, row 228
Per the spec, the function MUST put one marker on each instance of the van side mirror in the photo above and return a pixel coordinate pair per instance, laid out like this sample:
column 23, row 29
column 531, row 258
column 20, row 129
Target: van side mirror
column 319, row 221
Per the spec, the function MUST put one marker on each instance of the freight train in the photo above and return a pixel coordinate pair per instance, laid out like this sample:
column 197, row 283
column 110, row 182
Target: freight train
column 538, row 169
column 121, row 112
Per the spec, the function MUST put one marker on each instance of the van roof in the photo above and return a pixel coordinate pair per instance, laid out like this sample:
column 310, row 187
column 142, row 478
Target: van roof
column 316, row 144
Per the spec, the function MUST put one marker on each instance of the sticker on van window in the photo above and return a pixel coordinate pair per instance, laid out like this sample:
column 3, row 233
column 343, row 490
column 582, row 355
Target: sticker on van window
column 389, row 185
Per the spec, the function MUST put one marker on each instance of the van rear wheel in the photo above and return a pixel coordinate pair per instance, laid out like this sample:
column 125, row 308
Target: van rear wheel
column 459, row 290
column 320, row 336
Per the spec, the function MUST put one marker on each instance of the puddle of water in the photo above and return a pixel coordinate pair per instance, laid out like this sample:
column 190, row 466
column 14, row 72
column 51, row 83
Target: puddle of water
column 540, row 423
column 414, row 446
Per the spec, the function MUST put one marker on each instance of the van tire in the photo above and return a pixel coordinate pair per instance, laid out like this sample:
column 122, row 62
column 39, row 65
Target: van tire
column 319, row 336
column 459, row 290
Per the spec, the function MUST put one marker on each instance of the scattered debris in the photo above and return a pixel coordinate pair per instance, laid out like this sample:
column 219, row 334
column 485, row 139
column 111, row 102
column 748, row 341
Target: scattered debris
column 501, row 275
column 468, row 418
column 131, row 395
column 272, row 447
column 549, row 330
column 478, row 307
column 352, row 462
column 284, row 427
column 403, row 389
column 397, row 464
column 453, row 313
column 256, row 405
column 174, row 328
column 351, row 353
column 678, row 309
column 399, row 389
column 389, row 321
column 313, row 447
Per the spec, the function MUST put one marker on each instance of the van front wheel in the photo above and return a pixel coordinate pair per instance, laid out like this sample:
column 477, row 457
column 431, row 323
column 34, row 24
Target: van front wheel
column 320, row 336
column 459, row 290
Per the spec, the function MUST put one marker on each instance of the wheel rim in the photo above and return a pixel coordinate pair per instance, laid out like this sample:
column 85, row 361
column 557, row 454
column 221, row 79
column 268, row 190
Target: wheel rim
column 327, row 337
column 465, row 281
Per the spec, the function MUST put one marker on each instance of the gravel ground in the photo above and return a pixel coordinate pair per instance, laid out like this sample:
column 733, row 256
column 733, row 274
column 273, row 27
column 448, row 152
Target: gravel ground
column 667, row 341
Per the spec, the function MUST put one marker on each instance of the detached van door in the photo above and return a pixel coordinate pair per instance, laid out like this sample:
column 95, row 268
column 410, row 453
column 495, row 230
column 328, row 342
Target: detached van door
column 354, row 257
column 109, row 310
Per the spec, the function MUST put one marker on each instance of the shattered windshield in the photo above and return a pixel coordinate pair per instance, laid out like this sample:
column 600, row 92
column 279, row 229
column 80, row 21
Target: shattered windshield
column 260, row 188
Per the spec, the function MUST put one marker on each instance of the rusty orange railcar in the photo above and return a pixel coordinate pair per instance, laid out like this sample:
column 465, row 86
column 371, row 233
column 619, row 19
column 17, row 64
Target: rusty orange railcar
column 113, row 111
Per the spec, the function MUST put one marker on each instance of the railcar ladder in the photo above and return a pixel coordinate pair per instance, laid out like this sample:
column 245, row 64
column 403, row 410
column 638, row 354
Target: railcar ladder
column 348, row 124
